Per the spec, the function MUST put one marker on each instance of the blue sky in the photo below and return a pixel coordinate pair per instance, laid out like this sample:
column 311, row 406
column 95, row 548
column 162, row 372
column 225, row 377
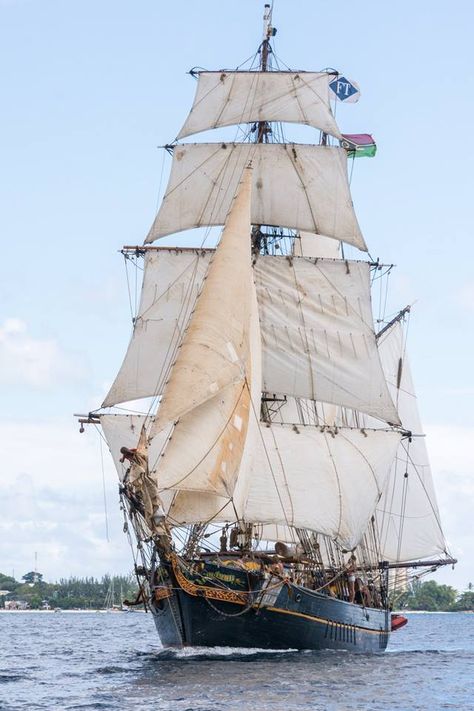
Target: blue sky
column 89, row 92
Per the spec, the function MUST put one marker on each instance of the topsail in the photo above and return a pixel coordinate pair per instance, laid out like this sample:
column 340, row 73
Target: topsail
column 301, row 187
column 228, row 98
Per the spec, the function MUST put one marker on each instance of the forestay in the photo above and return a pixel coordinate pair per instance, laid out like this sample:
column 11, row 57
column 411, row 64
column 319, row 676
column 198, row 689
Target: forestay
column 303, row 187
column 317, row 333
column 228, row 98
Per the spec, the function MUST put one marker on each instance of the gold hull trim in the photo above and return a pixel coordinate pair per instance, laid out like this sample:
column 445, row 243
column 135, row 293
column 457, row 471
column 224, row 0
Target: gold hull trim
column 205, row 591
column 241, row 599
column 324, row 621
column 162, row 593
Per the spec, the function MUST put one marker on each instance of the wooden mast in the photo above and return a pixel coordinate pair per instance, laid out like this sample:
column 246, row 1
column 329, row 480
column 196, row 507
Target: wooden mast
column 263, row 128
column 264, row 52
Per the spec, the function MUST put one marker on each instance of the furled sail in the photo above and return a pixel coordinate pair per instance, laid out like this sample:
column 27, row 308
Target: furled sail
column 229, row 98
column 171, row 282
column 208, row 392
column 304, row 187
column 407, row 514
column 328, row 481
column 317, row 333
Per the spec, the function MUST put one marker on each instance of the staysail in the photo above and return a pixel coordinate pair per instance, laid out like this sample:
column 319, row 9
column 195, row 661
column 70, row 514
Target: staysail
column 407, row 514
column 197, row 506
column 208, row 392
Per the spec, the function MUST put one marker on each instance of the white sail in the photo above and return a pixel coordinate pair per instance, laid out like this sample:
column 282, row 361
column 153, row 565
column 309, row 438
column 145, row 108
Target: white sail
column 303, row 187
column 318, row 479
column 204, row 451
column 228, row 98
column 311, row 245
column 124, row 431
column 121, row 431
column 271, row 393
column 197, row 506
column 320, row 345
column 407, row 514
column 317, row 334
column 215, row 347
column 208, row 392
column 186, row 507
column 171, row 282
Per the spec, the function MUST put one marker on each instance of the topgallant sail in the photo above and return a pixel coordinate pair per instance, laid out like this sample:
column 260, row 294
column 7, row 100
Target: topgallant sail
column 277, row 483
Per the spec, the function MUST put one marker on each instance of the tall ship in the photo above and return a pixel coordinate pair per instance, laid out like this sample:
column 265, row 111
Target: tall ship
column 274, row 476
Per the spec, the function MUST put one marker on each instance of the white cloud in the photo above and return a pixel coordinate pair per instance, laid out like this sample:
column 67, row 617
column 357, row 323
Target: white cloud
column 52, row 503
column 25, row 360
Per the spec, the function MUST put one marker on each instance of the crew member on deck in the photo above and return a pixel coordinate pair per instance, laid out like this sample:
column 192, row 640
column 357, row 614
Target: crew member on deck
column 223, row 540
column 351, row 571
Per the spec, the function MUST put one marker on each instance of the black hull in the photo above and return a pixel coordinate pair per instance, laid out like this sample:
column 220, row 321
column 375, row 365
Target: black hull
column 297, row 618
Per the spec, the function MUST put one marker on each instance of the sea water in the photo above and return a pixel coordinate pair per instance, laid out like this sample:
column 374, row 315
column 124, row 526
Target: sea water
column 114, row 660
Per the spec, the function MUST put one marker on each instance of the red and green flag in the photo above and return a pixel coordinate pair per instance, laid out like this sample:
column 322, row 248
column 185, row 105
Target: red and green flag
column 358, row 145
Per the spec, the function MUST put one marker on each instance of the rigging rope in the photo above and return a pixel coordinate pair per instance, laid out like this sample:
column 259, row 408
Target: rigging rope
column 132, row 313
column 104, row 492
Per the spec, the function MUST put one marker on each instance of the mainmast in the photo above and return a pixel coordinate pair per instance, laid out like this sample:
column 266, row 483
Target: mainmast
column 265, row 51
column 263, row 127
column 262, row 135
column 267, row 33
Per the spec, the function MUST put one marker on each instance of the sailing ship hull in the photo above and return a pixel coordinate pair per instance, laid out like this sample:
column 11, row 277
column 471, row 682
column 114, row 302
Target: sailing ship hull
column 296, row 618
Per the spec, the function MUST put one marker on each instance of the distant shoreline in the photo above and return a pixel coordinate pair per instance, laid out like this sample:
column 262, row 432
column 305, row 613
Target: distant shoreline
column 114, row 612
column 75, row 612
column 433, row 612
